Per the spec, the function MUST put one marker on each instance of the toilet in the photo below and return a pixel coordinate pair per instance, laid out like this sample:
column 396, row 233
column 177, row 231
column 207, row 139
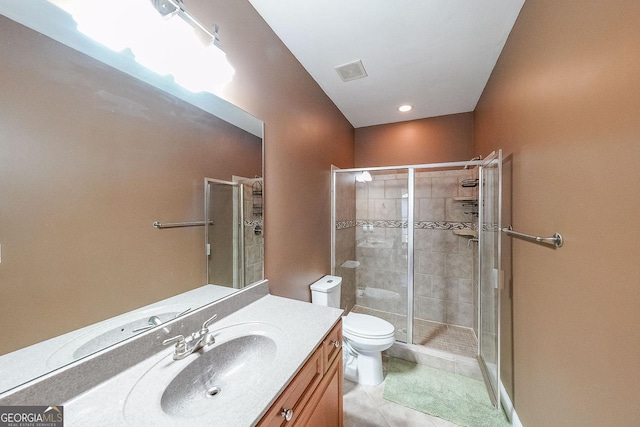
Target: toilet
column 364, row 337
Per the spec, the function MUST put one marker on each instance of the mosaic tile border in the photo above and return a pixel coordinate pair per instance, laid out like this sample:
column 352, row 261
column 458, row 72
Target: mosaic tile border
column 341, row 225
column 490, row 227
column 429, row 225
column 252, row 222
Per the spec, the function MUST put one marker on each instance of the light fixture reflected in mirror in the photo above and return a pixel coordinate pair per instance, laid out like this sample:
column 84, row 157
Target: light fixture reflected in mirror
column 365, row 176
column 183, row 48
column 169, row 8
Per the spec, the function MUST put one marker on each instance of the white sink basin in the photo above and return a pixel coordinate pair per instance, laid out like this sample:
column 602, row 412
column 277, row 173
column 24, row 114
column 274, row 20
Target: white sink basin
column 108, row 333
column 221, row 378
column 119, row 333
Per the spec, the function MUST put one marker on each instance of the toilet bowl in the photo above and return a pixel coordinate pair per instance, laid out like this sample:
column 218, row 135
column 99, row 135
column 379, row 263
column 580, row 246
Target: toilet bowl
column 364, row 337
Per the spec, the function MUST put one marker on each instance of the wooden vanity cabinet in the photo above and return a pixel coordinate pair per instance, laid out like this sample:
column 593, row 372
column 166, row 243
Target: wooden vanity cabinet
column 314, row 396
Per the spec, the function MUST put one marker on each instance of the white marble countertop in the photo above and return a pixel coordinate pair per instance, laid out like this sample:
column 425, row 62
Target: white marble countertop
column 303, row 327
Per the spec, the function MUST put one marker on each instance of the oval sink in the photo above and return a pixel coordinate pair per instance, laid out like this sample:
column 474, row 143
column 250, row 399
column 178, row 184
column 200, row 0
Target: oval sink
column 222, row 377
column 102, row 336
column 118, row 334
column 219, row 376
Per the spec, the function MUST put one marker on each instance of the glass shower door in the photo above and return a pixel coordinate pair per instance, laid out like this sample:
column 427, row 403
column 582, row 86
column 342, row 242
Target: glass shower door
column 223, row 229
column 490, row 272
column 371, row 242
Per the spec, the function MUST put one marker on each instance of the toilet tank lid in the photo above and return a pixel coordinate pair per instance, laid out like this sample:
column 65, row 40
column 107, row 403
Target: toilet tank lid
column 326, row 284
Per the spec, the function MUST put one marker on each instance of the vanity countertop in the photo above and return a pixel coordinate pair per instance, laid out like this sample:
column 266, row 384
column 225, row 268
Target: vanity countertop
column 30, row 362
column 304, row 325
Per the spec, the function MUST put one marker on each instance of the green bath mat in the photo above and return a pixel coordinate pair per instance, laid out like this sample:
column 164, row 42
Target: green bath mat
column 456, row 398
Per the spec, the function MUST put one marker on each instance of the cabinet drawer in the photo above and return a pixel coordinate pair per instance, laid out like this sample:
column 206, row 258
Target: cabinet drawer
column 296, row 395
column 332, row 345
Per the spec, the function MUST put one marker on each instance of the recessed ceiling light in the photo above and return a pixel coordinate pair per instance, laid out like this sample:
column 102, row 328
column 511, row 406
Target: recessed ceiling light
column 405, row 108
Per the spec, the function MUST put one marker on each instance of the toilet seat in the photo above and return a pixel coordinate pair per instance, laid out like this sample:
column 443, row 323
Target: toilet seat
column 366, row 326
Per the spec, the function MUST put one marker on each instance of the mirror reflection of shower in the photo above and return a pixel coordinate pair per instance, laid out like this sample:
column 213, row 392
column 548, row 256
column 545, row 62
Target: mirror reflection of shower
column 234, row 244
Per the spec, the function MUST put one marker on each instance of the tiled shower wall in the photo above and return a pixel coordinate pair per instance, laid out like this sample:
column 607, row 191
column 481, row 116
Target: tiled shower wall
column 443, row 285
column 253, row 241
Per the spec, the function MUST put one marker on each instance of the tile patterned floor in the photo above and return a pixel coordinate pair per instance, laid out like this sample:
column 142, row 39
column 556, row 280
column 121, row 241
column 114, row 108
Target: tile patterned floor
column 364, row 406
column 440, row 336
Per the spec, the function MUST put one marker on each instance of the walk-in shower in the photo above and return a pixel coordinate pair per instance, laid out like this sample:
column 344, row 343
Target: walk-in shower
column 435, row 281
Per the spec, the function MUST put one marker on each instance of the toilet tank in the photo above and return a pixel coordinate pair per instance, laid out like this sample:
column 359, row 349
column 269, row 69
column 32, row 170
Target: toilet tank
column 326, row 291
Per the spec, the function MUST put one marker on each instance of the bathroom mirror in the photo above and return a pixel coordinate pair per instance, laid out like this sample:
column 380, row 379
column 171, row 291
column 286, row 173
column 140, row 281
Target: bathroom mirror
column 90, row 157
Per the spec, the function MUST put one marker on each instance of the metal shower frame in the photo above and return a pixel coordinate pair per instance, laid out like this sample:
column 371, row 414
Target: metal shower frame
column 411, row 169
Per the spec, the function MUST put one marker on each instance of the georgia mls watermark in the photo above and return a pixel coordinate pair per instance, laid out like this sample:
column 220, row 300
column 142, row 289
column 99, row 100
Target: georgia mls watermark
column 31, row 416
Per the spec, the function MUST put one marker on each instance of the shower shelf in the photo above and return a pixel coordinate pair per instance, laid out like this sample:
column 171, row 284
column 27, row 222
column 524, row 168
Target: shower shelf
column 256, row 192
column 466, row 199
column 467, row 232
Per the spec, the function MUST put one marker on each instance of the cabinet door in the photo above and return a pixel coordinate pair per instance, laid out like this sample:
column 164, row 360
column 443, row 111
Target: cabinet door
column 292, row 401
column 325, row 407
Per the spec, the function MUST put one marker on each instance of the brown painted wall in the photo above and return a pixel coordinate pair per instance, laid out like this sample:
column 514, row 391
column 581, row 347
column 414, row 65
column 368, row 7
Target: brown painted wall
column 433, row 140
column 564, row 99
column 304, row 134
column 89, row 158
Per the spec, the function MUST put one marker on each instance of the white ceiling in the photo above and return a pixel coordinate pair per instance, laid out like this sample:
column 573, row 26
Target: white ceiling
column 434, row 54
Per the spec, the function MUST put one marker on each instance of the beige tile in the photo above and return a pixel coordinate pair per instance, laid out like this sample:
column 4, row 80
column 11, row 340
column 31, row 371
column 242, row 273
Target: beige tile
column 430, row 209
column 444, row 288
column 446, row 186
column 400, row 416
column 386, row 209
column 444, row 241
column 459, row 313
column 433, row 263
column 429, row 309
column 374, row 189
column 465, row 290
column 460, row 266
column 422, row 285
column 422, row 188
column 359, row 409
column 469, row 369
column 395, row 188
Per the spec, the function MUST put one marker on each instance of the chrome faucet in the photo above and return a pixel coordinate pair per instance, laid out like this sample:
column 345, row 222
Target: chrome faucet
column 151, row 323
column 155, row 321
column 193, row 343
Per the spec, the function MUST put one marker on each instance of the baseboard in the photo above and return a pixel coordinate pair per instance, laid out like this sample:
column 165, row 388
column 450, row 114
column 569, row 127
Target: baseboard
column 508, row 408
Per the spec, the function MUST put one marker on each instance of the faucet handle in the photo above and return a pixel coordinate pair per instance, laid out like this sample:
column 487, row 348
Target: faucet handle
column 205, row 325
column 151, row 323
column 182, row 313
column 178, row 340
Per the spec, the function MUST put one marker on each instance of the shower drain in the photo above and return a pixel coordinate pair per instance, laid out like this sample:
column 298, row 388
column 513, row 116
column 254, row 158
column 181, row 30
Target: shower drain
column 213, row 391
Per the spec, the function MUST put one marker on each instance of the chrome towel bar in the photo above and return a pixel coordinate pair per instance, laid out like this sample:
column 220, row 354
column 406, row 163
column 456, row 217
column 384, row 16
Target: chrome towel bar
column 555, row 240
column 157, row 224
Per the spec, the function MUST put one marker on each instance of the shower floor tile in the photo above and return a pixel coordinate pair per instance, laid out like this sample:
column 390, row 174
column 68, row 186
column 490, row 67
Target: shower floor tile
column 440, row 336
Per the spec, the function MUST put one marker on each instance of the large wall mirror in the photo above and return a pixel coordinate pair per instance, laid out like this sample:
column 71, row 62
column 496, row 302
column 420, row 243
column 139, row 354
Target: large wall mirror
column 90, row 158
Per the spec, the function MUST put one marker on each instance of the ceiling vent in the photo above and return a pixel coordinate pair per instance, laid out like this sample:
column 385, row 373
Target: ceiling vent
column 352, row 71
